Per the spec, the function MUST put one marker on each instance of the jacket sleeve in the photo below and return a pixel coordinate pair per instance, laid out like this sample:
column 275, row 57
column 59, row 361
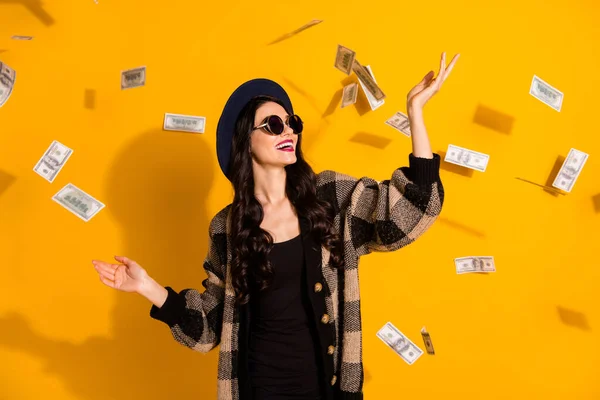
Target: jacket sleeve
column 195, row 318
column 385, row 215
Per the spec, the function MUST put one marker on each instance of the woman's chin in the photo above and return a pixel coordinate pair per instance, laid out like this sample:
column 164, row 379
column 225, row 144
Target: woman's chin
column 289, row 159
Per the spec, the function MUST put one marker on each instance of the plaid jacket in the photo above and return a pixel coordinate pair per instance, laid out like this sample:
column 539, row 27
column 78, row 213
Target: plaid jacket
column 370, row 216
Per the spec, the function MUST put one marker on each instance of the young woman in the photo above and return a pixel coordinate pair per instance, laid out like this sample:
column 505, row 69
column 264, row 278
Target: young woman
column 281, row 297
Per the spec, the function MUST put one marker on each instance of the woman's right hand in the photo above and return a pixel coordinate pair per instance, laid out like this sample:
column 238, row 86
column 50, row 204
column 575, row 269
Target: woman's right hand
column 128, row 276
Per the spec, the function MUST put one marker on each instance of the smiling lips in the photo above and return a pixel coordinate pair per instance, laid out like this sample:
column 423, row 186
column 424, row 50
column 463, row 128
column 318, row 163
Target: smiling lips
column 286, row 145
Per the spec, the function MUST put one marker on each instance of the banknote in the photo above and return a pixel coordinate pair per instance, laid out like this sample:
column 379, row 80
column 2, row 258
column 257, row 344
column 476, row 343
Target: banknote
column 474, row 264
column 350, row 94
column 546, row 93
column 78, row 202
column 373, row 102
column 399, row 121
column 184, row 123
column 53, row 160
column 8, row 76
column 570, row 170
column 427, row 341
column 367, row 81
column 133, row 78
column 402, row 345
column 296, row 31
column 18, row 37
column 344, row 59
column 306, row 26
column 466, row 158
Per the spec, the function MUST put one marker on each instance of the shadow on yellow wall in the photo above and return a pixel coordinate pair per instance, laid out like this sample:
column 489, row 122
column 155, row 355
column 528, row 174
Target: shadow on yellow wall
column 156, row 188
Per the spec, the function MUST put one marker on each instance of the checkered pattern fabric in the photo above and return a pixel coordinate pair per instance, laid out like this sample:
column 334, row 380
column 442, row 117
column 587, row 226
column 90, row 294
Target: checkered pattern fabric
column 370, row 216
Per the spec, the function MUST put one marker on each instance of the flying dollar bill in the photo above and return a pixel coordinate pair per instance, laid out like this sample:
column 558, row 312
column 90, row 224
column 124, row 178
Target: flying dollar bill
column 570, row 170
column 466, row 158
column 53, row 160
column 398, row 342
column 78, row 202
column 399, row 121
column 350, row 94
column 132, row 78
column 344, row 59
column 546, row 93
column 427, row 341
column 306, row 26
column 373, row 102
column 297, row 31
column 8, row 76
column 465, row 265
column 184, row 123
column 367, row 81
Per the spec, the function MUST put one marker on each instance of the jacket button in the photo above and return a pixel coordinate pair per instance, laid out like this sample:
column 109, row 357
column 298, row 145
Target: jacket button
column 325, row 318
column 330, row 350
column 318, row 287
column 333, row 380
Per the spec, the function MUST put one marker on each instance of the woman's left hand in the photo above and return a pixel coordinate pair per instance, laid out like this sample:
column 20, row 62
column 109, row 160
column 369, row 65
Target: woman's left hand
column 420, row 94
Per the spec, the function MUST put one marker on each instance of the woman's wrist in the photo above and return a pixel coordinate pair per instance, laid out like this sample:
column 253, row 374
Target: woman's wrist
column 154, row 292
column 414, row 111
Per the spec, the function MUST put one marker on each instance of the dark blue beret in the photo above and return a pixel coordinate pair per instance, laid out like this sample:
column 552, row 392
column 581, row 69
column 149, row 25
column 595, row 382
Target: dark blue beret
column 238, row 99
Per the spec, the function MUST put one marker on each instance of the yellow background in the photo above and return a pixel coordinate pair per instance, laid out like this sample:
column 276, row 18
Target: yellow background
column 529, row 331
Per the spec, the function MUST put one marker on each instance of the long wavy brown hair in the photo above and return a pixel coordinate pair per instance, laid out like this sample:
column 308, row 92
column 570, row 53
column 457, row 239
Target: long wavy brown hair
column 251, row 270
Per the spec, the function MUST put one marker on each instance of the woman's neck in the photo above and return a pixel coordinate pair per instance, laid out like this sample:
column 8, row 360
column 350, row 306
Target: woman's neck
column 269, row 186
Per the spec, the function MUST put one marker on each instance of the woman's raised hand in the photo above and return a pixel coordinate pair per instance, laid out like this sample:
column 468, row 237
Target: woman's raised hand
column 424, row 90
column 127, row 276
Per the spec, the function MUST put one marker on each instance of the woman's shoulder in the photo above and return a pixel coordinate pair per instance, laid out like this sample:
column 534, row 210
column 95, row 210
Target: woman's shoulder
column 331, row 177
column 218, row 223
column 334, row 186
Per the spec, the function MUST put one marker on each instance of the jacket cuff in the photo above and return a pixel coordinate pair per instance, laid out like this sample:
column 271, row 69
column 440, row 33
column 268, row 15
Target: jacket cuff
column 424, row 171
column 170, row 312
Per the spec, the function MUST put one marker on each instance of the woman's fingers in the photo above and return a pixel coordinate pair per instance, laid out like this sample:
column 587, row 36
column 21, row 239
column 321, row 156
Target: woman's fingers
column 107, row 277
column 426, row 78
column 122, row 259
column 107, row 282
column 449, row 69
column 128, row 262
column 440, row 77
column 105, row 267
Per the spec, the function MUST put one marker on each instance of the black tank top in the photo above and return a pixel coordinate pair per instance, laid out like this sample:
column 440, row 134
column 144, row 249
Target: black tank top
column 283, row 358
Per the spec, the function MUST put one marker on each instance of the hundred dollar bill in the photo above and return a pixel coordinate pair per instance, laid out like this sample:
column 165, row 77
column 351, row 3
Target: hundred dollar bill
column 399, row 121
column 344, row 59
column 306, row 26
column 427, row 341
column 53, row 160
column 569, row 171
column 184, row 123
column 399, row 343
column 8, row 76
column 474, row 264
column 467, row 158
column 350, row 94
column 133, row 78
column 373, row 102
column 295, row 32
column 546, row 93
column 17, row 37
column 78, row 202
column 367, row 80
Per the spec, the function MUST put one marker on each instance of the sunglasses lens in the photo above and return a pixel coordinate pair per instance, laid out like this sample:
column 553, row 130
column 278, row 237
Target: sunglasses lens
column 275, row 124
column 295, row 123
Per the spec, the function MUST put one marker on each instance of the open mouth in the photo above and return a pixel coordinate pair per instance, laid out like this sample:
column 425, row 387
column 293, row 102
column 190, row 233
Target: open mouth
column 285, row 146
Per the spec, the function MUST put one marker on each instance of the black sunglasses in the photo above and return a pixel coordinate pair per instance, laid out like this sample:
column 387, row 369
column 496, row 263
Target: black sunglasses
column 274, row 124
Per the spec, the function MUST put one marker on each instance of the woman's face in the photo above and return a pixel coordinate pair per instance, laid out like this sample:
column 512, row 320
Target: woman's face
column 265, row 145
